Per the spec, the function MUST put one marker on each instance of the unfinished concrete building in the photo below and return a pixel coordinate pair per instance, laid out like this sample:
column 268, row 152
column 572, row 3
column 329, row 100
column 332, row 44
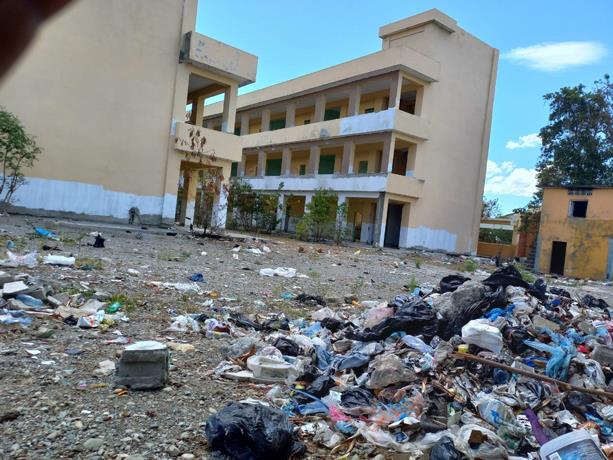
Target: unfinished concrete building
column 401, row 135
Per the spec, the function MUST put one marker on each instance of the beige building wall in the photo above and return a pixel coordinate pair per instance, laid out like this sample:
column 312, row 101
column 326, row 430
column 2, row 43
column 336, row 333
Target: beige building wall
column 96, row 88
column 459, row 107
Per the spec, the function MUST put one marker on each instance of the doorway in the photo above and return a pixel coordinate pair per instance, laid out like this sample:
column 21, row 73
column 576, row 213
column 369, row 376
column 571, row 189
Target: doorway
column 392, row 225
column 558, row 257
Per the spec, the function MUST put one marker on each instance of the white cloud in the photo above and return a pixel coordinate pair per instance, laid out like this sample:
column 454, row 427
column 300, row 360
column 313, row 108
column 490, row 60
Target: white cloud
column 506, row 179
column 551, row 57
column 527, row 141
column 494, row 169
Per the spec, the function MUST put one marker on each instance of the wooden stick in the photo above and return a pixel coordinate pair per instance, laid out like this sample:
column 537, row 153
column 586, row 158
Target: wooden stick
column 535, row 376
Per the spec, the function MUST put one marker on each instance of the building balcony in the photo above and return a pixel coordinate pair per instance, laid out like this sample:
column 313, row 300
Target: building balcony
column 368, row 123
column 213, row 55
column 207, row 142
column 354, row 183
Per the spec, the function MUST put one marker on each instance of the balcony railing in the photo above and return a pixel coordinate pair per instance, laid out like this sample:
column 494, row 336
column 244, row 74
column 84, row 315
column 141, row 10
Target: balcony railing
column 385, row 120
column 381, row 182
column 213, row 55
column 207, row 142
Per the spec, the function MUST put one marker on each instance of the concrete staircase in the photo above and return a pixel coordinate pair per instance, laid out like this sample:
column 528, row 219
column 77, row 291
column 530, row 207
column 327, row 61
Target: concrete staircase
column 531, row 258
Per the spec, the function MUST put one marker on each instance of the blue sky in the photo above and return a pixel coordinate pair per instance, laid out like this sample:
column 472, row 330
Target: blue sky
column 544, row 45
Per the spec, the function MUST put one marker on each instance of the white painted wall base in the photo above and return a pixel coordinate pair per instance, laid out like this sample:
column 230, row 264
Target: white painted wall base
column 428, row 238
column 83, row 198
column 367, row 232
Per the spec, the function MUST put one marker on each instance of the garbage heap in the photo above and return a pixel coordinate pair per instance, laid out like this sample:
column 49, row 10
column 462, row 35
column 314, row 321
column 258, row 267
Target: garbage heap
column 472, row 369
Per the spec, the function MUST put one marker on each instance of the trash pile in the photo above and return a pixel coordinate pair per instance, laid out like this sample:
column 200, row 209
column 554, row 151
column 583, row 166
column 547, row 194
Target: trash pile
column 24, row 297
column 487, row 369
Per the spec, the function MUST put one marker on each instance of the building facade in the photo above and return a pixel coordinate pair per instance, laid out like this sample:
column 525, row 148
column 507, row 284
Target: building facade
column 104, row 89
column 576, row 232
column 401, row 135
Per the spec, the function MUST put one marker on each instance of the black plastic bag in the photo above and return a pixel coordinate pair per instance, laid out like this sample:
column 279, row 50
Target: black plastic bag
column 539, row 290
column 514, row 338
column 320, row 386
column 506, row 276
column 310, row 374
column 241, row 321
column 353, row 361
column 414, row 317
column 559, row 291
column 592, row 302
column 356, row 397
column 252, row 432
column 332, row 324
column 581, row 403
column 498, row 298
column 453, row 321
column 445, row 450
column 286, row 346
column 450, row 283
column 278, row 322
column 309, row 299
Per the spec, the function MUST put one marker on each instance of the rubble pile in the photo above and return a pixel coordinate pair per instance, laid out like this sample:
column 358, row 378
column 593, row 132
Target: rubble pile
column 471, row 369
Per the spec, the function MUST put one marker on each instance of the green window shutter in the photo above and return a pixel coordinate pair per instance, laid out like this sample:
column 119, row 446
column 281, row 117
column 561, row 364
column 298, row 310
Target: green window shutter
column 273, row 167
column 326, row 164
column 237, row 131
column 234, row 169
column 277, row 124
column 302, row 170
column 332, row 114
column 363, row 167
column 369, row 110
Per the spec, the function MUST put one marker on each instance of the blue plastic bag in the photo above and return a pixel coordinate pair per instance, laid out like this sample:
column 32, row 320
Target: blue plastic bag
column 561, row 354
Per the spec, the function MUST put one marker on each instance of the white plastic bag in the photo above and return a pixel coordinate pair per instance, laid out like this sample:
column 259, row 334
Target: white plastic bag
column 481, row 333
column 284, row 272
column 52, row 259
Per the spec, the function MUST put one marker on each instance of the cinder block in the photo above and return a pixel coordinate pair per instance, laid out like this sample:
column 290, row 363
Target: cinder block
column 143, row 366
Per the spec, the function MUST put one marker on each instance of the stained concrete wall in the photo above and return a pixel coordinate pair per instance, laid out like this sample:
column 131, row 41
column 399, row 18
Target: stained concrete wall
column 587, row 239
column 96, row 88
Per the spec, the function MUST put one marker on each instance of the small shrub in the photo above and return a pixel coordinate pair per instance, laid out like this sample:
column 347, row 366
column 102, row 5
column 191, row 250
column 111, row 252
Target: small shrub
column 470, row 265
column 418, row 262
column 89, row 263
column 412, row 284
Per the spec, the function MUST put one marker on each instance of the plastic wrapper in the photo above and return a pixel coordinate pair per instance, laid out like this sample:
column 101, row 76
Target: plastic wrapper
column 484, row 335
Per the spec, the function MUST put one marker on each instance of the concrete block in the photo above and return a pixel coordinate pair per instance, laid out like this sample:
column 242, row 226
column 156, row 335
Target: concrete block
column 14, row 288
column 143, row 366
column 539, row 322
column 603, row 354
column 6, row 278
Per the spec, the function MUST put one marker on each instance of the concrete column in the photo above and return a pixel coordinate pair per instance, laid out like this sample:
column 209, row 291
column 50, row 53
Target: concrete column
column 199, row 110
column 342, row 199
column 281, row 212
column 290, row 115
column 286, row 161
column 387, row 157
column 265, row 120
column 395, row 90
column 313, row 166
column 245, row 118
column 354, row 100
column 380, row 219
column 191, row 187
column 240, row 170
column 261, row 171
column 348, row 157
column 320, row 108
column 192, row 115
column 229, row 109
column 220, row 207
column 307, row 199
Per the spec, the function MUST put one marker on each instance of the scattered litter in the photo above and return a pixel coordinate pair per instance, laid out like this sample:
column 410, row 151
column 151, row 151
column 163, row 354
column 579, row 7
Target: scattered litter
column 52, row 259
column 285, row 272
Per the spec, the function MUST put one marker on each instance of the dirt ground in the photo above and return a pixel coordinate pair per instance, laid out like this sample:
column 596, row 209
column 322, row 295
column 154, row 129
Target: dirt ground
column 53, row 406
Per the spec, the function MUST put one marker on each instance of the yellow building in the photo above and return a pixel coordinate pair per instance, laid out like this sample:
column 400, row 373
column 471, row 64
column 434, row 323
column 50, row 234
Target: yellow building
column 104, row 88
column 576, row 232
column 401, row 135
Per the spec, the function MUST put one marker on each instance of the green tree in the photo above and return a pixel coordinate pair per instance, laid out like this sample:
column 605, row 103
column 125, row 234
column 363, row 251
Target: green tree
column 490, row 208
column 319, row 220
column 577, row 143
column 18, row 150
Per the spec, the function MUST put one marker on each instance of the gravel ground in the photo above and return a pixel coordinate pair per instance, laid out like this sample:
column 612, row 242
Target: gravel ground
column 52, row 405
